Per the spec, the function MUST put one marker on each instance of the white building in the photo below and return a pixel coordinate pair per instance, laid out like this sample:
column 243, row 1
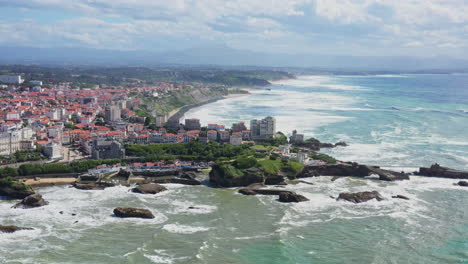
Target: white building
column 161, row 120
column 53, row 150
column 10, row 142
column 236, row 139
column 11, row 79
column 113, row 113
column 39, row 83
column 263, row 129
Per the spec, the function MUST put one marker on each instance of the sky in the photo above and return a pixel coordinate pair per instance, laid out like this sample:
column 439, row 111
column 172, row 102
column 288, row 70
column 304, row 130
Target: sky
column 423, row 28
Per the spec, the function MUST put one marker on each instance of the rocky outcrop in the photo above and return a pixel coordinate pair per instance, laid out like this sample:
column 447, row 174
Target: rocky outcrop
column 287, row 197
column 93, row 186
column 12, row 228
column 177, row 180
column 32, row 201
column 442, row 172
column 284, row 195
column 250, row 176
column 151, row 188
column 399, row 196
column 350, row 169
column 315, row 144
column 274, row 180
column 15, row 190
column 463, row 183
column 360, row 197
column 133, row 212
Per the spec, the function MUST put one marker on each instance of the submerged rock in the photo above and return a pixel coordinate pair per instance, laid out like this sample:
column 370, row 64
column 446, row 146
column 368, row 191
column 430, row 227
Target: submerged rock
column 151, row 188
column 360, row 197
column 133, row 212
column 32, row 201
column 399, row 196
column 442, row 172
column 291, row 198
column 12, row 228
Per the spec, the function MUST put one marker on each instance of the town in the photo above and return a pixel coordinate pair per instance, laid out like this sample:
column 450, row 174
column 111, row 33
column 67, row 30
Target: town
column 44, row 122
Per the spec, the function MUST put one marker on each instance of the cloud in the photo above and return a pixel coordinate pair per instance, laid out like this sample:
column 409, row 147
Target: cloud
column 340, row 26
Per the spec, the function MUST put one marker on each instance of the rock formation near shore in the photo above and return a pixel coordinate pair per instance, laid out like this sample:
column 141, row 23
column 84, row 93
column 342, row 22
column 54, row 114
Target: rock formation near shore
column 93, row 185
column 12, row 228
column 399, row 196
column 15, row 190
column 360, row 197
column 32, row 201
column 315, row 144
column 291, row 198
column 133, row 212
column 463, row 183
column 350, row 169
column 150, row 188
column 284, row 195
column 442, row 172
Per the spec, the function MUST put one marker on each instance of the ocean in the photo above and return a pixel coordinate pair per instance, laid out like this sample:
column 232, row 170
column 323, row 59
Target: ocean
column 395, row 121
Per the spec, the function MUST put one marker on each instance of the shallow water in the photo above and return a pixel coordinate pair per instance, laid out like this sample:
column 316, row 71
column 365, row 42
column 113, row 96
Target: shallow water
column 397, row 122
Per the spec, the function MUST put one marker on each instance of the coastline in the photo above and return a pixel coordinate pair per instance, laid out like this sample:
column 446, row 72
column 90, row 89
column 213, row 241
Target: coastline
column 179, row 113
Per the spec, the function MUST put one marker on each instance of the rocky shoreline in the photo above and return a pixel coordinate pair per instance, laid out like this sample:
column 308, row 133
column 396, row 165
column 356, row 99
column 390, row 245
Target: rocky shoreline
column 256, row 183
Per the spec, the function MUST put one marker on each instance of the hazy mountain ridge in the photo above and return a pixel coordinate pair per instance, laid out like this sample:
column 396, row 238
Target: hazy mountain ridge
column 222, row 56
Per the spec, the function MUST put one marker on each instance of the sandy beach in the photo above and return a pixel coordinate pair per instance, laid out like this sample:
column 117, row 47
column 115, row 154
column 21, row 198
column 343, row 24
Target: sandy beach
column 49, row 181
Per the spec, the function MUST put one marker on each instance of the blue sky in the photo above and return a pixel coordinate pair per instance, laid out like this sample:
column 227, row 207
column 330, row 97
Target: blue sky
column 346, row 27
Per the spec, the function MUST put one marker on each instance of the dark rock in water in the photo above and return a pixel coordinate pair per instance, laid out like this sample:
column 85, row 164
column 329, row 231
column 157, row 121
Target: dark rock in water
column 274, row 180
column 177, row 181
column 360, row 197
column 190, row 175
column 315, row 145
column 93, row 186
column 399, row 196
column 151, row 188
column 12, row 228
column 442, row 172
column 61, row 212
column 341, row 144
column 463, row 183
column 73, row 214
column 350, row 169
column 300, row 181
column 247, row 191
column 133, row 212
column 34, row 200
column 286, row 197
column 336, row 178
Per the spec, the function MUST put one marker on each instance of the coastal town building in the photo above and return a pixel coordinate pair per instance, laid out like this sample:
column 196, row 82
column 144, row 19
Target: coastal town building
column 238, row 127
column 113, row 113
column 296, row 138
column 53, row 150
column 192, row 124
column 263, row 129
column 236, row 139
column 11, row 79
column 160, row 120
column 107, row 149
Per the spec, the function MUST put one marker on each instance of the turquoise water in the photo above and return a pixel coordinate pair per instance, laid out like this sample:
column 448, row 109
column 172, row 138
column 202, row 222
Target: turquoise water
column 428, row 124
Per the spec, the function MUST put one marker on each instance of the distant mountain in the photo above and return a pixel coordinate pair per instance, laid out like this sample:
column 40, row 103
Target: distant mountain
column 220, row 55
